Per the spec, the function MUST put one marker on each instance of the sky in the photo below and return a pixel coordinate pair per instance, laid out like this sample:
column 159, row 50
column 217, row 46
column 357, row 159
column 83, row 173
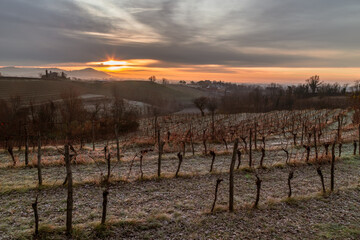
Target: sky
column 252, row 41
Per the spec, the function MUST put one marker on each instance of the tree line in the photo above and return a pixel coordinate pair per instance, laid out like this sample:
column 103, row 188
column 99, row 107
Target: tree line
column 68, row 119
column 314, row 93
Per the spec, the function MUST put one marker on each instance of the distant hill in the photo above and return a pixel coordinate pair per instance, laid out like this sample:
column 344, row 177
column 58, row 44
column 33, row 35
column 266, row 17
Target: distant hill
column 167, row 96
column 86, row 73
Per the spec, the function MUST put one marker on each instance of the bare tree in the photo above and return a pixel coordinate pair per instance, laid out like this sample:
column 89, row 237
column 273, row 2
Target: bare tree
column 200, row 103
column 314, row 82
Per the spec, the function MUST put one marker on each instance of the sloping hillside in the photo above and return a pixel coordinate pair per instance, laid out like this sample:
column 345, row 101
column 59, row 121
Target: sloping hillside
column 43, row 90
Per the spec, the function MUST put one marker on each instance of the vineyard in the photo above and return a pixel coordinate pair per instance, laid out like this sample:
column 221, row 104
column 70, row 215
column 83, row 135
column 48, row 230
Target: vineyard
column 285, row 174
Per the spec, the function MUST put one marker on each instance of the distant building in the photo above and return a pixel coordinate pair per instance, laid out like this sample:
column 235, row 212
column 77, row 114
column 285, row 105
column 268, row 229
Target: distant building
column 54, row 75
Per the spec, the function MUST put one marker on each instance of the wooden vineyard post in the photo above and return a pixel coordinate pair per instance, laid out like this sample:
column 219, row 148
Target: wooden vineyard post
column 105, row 201
column 36, row 216
column 231, row 180
column 39, row 160
column 117, row 143
column 355, row 146
column 161, row 145
column 332, row 180
column 250, row 149
column 93, row 134
column 315, row 145
column 69, row 202
column 26, row 146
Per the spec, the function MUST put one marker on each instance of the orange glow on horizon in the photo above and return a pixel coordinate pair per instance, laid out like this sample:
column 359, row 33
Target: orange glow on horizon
column 254, row 75
column 116, row 66
column 141, row 69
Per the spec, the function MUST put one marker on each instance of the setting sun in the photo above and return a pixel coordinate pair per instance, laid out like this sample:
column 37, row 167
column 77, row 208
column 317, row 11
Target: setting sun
column 115, row 66
column 109, row 63
column 114, row 63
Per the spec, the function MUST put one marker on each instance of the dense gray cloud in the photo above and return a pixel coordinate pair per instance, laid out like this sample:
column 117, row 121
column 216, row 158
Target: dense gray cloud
column 247, row 33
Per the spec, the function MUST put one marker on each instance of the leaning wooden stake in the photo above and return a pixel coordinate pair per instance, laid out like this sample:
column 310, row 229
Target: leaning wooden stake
column 291, row 175
column 225, row 142
column 180, row 157
column 355, row 146
column 212, row 153
column 307, row 147
column 105, row 151
column 36, row 215
column 69, row 203
column 287, row 155
column 239, row 158
column 326, row 145
column 262, row 157
column 11, row 152
column 218, row 181
column 322, row 179
column 231, row 177
column 258, row 187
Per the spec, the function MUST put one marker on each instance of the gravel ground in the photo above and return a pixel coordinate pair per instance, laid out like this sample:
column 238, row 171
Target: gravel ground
column 178, row 207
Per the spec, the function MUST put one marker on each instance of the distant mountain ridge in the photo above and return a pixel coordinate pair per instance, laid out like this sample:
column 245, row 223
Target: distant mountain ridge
column 86, row 73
